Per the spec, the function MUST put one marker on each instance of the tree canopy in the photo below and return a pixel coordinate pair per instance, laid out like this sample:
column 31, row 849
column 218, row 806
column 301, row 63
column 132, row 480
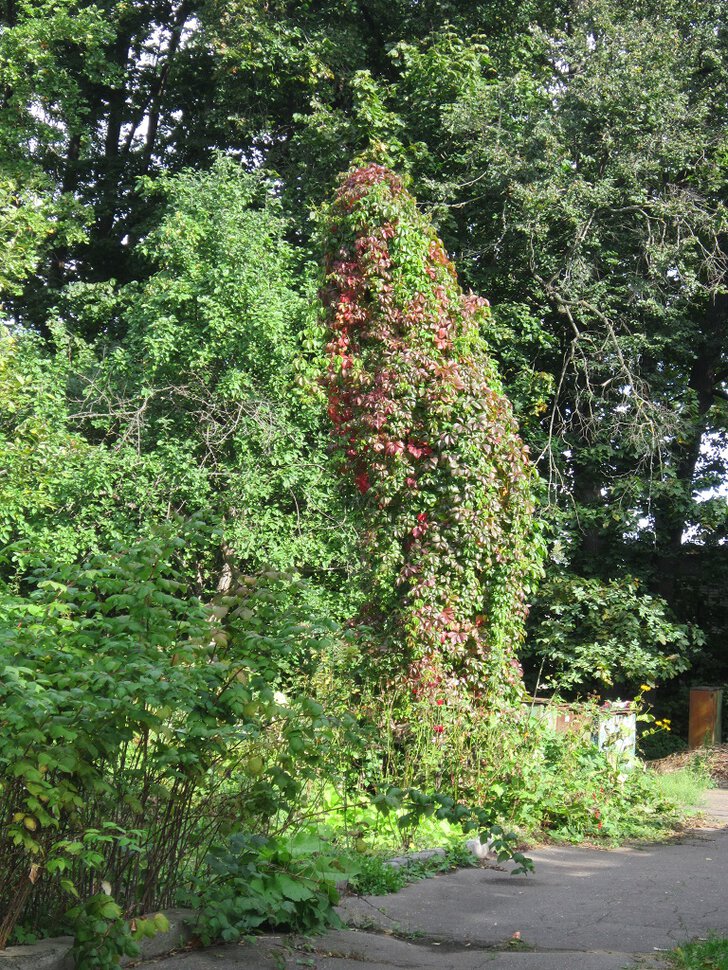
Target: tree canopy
column 572, row 157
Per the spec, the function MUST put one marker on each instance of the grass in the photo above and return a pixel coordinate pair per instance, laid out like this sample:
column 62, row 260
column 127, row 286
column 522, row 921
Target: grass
column 376, row 878
column 685, row 787
column 710, row 954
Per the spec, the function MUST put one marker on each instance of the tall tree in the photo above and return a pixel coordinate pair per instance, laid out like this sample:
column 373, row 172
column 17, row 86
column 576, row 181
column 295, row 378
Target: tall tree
column 97, row 93
column 573, row 155
column 94, row 95
column 596, row 196
column 209, row 405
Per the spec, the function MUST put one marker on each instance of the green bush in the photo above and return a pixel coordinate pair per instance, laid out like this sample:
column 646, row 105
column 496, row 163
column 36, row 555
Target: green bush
column 376, row 878
column 101, row 935
column 590, row 634
column 194, row 390
column 514, row 767
column 252, row 882
column 137, row 723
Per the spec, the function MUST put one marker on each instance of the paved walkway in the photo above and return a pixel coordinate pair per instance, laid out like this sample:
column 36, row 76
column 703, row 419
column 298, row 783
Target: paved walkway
column 583, row 909
column 716, row 805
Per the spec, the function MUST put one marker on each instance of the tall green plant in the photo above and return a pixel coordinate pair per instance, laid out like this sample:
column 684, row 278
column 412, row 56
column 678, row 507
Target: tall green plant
column 428, row 441
column 589, row 635
column 197, row 396
column 137, row 723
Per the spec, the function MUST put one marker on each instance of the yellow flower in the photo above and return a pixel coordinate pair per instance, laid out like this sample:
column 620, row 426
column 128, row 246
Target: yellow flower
column 645, row 687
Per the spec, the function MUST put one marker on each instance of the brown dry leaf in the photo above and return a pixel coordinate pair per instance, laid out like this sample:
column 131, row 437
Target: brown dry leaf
column 715, row 759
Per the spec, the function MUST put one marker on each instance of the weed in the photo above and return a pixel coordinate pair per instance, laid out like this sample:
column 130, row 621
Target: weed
column 377, row 878
column 710, row 954
column 685, row 787
column 251, row 882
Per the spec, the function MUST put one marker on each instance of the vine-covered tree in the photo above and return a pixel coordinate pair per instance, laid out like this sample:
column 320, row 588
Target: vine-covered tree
column 427, row 437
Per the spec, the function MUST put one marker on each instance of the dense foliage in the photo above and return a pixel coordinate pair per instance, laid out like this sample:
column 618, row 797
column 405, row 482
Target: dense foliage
column 428, row 439
column 595, row 636
column 606, row 178
column 178, row 537
column 591, row 211
column 208, row 404
column 134, row 721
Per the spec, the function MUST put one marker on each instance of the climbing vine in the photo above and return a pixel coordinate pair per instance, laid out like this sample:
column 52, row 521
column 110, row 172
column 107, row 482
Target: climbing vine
column 427, row 441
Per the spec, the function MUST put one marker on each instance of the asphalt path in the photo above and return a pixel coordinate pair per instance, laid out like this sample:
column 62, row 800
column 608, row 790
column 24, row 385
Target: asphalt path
column 582, row 909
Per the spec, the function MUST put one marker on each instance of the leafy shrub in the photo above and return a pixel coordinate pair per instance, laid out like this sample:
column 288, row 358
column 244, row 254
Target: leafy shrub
column 137, row 723
column 564, row 786
column 195, row 389
column 517, row 770
column 590, row 634
column 495, row 764
column 252, row 882
column 377, row 878
column 102, row 935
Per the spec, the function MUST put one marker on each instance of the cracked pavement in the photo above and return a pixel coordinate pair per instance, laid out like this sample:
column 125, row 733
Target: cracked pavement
column 583, row 909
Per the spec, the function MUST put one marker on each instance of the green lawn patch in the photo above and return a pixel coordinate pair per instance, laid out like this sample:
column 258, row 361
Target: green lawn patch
column 685, row 787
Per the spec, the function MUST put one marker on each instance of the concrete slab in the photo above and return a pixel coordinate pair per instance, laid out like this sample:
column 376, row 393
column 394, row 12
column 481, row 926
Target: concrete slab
column 496, row 961
column 47, row 955
column 55, row 954
column 242, row 956
column 180, row 932
column 347, row 950
column 351, row 950
column 506, row 961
